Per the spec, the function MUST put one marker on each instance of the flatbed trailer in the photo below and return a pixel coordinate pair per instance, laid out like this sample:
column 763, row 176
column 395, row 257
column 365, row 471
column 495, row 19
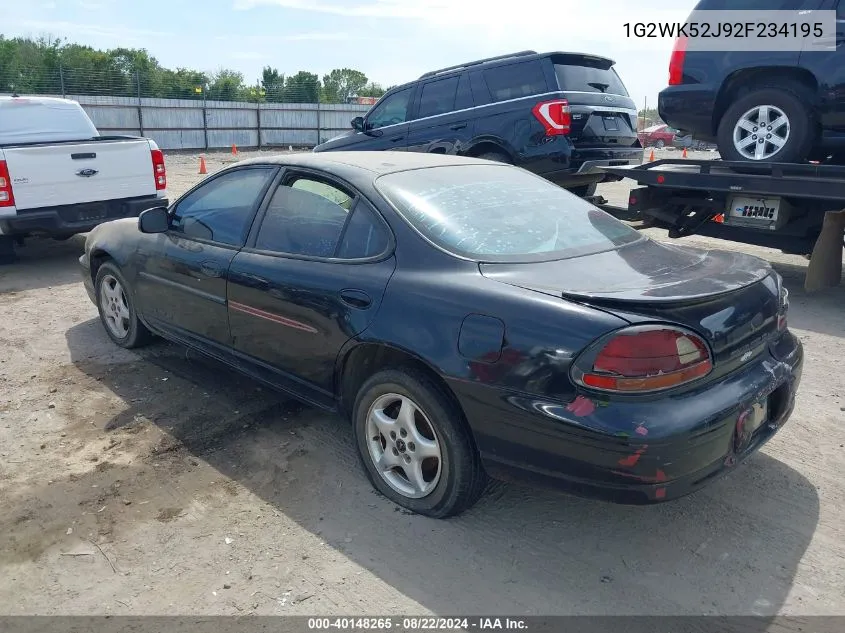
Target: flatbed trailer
column 797, row 208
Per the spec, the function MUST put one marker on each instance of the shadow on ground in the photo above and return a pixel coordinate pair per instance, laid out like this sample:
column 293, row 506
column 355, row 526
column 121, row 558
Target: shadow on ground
column 43, row 263
column 731, row 549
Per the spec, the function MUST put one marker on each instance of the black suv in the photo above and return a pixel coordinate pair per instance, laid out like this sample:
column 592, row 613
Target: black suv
column 781, row 107
column 560, row 115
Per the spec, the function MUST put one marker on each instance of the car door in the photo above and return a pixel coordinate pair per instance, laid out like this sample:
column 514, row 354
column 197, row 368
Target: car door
column 181, row 284
column 443, row 121
column 311, row 277
column 386, row 125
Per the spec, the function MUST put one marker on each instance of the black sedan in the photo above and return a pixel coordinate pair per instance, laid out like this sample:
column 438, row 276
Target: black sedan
column 469, row 317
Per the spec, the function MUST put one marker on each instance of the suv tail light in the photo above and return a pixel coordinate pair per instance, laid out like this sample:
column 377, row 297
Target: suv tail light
column 645, row 358
column 7, row 198
column 159, row 170
column 556, row 116
column 676, row 62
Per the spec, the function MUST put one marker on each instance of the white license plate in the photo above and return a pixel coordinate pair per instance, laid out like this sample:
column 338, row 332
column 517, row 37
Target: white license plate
column 750, row 208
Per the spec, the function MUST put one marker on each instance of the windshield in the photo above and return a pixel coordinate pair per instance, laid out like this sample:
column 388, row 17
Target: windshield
column 499, row 213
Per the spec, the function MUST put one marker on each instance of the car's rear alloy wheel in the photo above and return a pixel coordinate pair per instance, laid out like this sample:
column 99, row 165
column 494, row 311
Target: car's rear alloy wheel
column 117, row 310
column 659, row 144
column 415, row 445
column 767, row 125
column 761, row 132
column 403, row 445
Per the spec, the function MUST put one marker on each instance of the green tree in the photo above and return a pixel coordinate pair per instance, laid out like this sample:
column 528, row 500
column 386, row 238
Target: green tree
column 183, row 83
column 372, row 90
column 139, row 67
column 227, row 85
column 273, row 83
column 342, row 83
column 303, row 87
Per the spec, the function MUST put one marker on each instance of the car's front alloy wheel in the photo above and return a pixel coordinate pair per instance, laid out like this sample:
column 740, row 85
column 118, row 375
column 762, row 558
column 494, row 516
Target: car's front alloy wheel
column 117, row 309
column 415, row 445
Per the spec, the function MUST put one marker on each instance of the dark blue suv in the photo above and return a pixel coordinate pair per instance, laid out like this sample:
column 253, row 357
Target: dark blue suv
column 784, row 107
column 563, row 116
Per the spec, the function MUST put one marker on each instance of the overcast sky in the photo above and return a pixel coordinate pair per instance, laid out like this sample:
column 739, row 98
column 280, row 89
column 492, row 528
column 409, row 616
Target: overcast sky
column 391, row 41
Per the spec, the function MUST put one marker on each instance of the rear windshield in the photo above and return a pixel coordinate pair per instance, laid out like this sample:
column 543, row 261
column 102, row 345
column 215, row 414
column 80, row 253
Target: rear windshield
column 498, row 213
column 753, row 5
column 589, row 78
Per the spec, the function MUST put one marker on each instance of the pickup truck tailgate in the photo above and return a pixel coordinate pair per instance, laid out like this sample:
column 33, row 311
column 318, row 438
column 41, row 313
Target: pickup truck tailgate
column 47, row 175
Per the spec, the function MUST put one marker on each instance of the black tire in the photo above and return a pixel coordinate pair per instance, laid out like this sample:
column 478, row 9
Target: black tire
column 659, row 144
column 7, row 250
column 799, row 113
column 462, row 479
column 584, row 191
column 137, row 335
column 499, row 157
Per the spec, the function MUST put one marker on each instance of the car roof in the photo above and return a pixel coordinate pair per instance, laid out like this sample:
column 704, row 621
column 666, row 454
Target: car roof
column 377, row 163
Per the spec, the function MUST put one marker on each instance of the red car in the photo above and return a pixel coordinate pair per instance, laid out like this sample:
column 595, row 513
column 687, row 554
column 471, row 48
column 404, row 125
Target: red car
column 657, row 136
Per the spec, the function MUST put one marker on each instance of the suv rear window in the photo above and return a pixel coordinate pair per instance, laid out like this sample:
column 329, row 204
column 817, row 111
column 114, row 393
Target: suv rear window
column 514, row 81
column 756, row 5
column 587, row 76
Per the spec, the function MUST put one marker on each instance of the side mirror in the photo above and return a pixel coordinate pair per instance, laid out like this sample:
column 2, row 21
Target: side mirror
column 358, row 123
column 155, row 220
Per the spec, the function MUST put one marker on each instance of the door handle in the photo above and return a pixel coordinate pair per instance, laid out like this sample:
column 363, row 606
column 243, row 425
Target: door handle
column 355, row 298
column 210, row 269
column 458, row 126
column 396, row 139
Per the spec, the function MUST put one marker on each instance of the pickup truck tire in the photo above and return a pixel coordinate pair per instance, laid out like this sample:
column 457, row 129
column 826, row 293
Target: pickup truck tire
column 738, row 143
column 116, row 304
column 7, row 250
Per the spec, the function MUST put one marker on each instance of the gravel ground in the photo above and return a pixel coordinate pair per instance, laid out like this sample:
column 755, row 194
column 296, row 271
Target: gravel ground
column 160, row 483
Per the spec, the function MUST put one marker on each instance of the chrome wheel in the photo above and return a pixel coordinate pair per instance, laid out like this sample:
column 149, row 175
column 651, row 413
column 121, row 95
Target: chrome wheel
column 114, row 307
column 403, row 446
column 761, row 132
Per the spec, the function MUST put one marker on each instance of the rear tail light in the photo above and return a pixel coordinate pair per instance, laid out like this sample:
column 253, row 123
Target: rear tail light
column 7, row 198
column 676, row 62
column 645, row 358
column 159, row 170
column 556, row 116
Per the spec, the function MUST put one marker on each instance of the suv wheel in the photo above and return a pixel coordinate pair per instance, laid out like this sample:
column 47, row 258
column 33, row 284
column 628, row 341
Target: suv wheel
column 414, row 444
column 767, row 125
column 584, row 191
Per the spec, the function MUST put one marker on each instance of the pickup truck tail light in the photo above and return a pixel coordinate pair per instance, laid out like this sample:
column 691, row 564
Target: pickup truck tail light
column 645, row 359
column 159, row 170
column 676, row 62
column 556, row 116
column 7, row 197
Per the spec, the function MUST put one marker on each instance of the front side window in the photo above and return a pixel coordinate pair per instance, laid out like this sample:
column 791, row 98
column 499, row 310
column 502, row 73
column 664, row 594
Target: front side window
column 392, row 110
column 500, row 213
column 221, row 210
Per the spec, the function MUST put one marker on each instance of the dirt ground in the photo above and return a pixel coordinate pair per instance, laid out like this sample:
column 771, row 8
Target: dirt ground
column 161, row 483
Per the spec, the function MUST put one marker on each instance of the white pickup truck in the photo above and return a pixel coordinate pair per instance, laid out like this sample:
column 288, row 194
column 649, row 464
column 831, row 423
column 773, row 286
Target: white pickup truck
column 59, row 177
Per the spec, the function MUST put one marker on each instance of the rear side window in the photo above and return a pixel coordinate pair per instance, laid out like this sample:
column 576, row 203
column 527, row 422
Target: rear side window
column 464, row 98
column 586, row 77
column 438, row 97
column 514, row 81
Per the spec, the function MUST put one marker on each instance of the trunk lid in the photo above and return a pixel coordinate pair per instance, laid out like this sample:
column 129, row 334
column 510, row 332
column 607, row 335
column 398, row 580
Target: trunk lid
column 55, row 174
column 731, row 299
column 603, row 114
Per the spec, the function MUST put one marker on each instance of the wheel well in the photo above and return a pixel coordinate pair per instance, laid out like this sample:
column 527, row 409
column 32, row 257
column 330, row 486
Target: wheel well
column 487, row 146
column 746, row 80
column 97, row 259
column 369, row 358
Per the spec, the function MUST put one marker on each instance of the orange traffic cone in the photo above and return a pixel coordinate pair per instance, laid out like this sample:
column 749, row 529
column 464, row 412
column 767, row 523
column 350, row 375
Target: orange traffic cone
column 651, row 157
column 203, row 169
column 234, row 150
column 685, row 152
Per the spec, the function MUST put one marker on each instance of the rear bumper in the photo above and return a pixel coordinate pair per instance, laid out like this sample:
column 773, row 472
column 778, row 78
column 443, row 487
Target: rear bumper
column 584, row 166
column 635, row 452
column 75, row 218
column 689, row 108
